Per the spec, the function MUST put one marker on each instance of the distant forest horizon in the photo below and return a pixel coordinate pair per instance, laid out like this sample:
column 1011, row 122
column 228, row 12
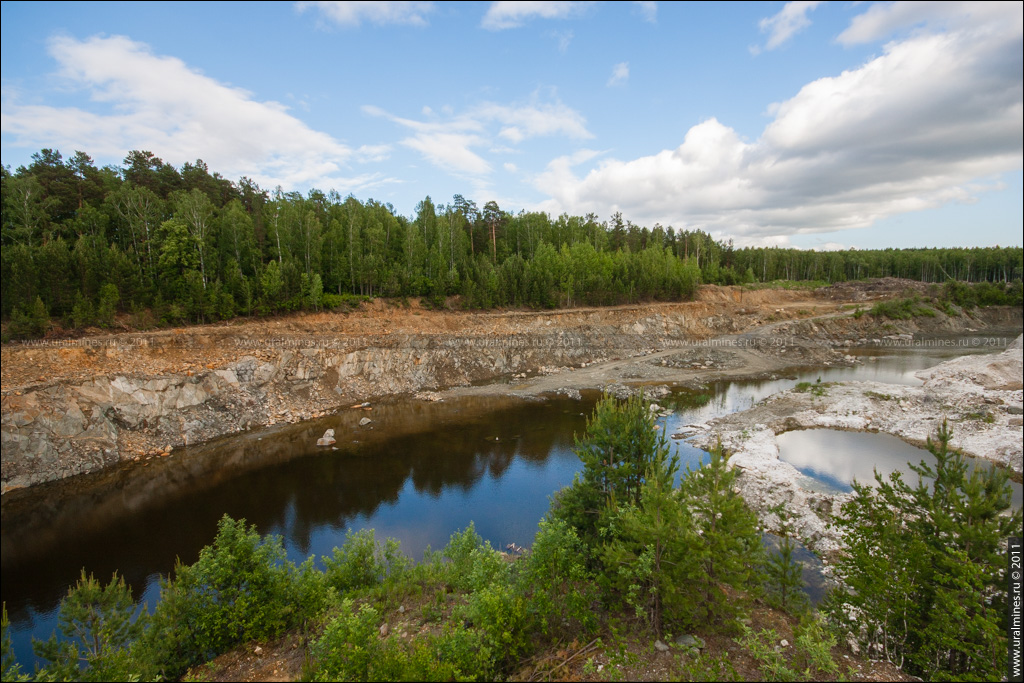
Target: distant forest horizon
column 173, row 246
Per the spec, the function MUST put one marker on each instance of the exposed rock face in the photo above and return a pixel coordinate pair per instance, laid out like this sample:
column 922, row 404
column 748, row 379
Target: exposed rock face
column 61, row 429
column 68, row 410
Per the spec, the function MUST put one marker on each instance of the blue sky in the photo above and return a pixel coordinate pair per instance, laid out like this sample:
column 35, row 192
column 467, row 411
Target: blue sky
column 825, row 125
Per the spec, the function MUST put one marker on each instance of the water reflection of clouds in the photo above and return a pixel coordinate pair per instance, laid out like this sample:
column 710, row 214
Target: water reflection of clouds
column 839, row 457
column 835, row 458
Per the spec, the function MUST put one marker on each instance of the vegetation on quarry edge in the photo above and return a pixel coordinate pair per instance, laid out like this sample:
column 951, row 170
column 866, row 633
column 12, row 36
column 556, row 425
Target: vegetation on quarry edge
column 169, row 246
column 624, row 552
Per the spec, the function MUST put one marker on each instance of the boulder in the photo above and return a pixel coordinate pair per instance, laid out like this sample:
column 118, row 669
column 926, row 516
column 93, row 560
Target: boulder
column 690, row 642
column 327, row 439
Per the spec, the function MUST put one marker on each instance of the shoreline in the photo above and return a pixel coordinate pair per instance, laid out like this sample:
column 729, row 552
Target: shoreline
column 133, row 410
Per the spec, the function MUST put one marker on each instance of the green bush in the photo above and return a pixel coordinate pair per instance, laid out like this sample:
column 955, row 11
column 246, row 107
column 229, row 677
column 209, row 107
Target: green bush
column 349, row 645
column 501, row 613
column 902, row 309
column 30, row 321
column 82, row 313
column 730, row 551
column 620, row 444
column 107, row 306
column 472, row 563
column 10, row 670
column 784, row 579
column 362, row 562
column 240, row 589
column 555, row 576
column 813, row 645
column 649, row 556
column 350, row 649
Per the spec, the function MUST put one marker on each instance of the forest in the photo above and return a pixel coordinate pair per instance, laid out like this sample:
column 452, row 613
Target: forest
column 169, row 246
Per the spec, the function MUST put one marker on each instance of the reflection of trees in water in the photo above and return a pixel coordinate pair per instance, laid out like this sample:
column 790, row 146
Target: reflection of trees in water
column 138, row 520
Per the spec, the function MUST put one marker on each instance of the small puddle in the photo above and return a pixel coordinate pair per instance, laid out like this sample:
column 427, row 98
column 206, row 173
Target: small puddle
column 833, row 459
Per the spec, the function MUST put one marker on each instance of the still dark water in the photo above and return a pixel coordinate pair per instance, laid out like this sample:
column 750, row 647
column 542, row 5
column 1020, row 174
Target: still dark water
column 419, row 472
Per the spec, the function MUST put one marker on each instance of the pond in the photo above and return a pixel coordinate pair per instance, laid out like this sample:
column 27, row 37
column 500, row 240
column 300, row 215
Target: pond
column 418, row 472
column 833, row 459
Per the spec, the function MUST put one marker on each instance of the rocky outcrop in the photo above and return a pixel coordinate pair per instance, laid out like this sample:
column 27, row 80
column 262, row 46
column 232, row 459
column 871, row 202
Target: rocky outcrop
column 57, row 430
column 74, row 408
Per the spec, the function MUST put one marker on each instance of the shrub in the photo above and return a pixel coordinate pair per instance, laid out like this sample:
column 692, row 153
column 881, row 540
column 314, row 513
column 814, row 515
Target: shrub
column 350, row 649
column 349, row 645
column 501, row 614
column 107, row 306
column 240, row 589
column 555, row 575
column 730, row 550
column 784, row 579
column 472, row 563
column 650, row 554
column 29, row 321
column 10, row 670
column 902, row 309
column 362, row 562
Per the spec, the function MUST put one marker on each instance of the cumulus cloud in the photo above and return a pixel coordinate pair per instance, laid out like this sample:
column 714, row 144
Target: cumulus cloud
column 620, row 74
column 790, row 20
column 505, row 15
column 157, row 103
column 935, row 118
column 882, row 20
column 355, row 13
column 450, row 143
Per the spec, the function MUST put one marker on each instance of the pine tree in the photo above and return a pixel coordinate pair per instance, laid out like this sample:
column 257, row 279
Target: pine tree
column 784, row 576
column 923, row 567
column 620, row 445
column 98, row 625
column 649, row 552
column 731, row 551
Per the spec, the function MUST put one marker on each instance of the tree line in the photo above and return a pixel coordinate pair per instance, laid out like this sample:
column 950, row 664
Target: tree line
column 176, row 245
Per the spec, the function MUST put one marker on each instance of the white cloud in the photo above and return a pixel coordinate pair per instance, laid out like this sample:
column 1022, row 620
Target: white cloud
column 355, row 13
column 510, row 167
column 534, row 120
column 936, row 118
column 158, row 103
column 505, row 15
column 787, row 23
column 451, row 151
column 883, row 20
column 368, row 153
column 648, row 10
column 620, row 74
column 450, row 143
